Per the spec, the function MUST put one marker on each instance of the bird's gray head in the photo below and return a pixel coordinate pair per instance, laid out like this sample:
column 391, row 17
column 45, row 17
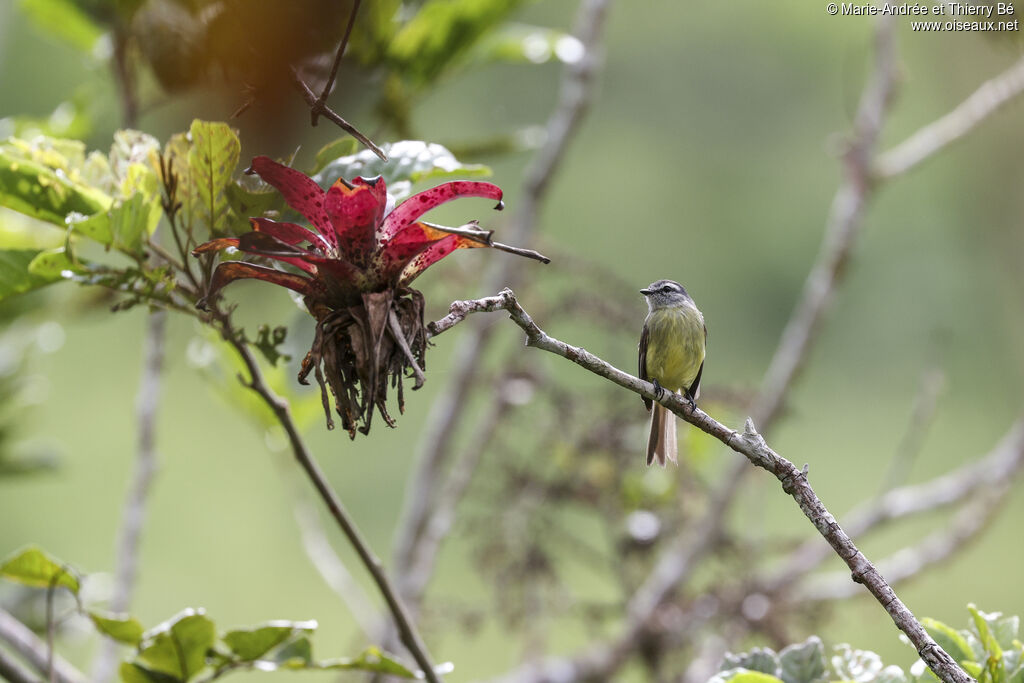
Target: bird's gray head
column 665, row 293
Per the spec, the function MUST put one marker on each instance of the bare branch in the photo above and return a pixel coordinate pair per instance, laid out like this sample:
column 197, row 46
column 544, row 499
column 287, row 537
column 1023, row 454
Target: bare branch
column 315, row 112
column 926, row 142
column 318, row 108
column 133, row 514
column 474, row 232
column 752, row 445
column 23, row 641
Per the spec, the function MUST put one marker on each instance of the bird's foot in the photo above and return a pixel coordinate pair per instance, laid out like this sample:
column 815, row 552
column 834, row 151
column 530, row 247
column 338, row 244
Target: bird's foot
column 659, row 391
column 693, row 403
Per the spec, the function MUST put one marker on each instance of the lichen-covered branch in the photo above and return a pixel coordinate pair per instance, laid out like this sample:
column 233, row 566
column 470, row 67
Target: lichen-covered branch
column 752, row 445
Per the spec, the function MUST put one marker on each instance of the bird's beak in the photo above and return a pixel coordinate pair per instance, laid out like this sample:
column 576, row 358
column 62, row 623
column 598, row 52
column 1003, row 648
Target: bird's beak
column 645, row 292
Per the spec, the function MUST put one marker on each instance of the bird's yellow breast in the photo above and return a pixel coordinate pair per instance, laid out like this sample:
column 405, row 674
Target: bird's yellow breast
column 675, row 346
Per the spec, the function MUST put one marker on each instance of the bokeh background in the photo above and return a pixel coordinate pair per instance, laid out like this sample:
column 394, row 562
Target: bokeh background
column 710, row 157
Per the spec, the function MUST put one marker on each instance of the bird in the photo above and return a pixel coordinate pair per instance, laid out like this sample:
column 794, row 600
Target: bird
column 672, row 349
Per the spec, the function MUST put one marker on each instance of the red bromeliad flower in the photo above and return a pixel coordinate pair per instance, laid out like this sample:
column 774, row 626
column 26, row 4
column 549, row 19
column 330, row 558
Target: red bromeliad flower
column 356, row 269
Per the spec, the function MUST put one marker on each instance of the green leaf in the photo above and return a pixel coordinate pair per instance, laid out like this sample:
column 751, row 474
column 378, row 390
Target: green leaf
column 948, row 639
column 372, row 659
column 245, row 202
column 409, row 161
column 342, row 147
column 33, row 567
column 120, row 627
column 253, row 643
column 178, row 646
column 15, row 275
column 443, row 32
column 38, row 183
column 64, row 20
column 855, row 665
column 132, row 148
column 375, row 27
column 764, row 660
column 212, row 160
column 134, row 673
column 741, row 675
column 982, row 624
column 54, row 264
column 131, row 219
column 973, row 669
column 1005, row 630
column 298, row 654
column 803, row 662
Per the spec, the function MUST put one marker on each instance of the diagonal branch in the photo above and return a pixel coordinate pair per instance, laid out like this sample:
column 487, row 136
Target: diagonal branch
column 318, row 108
column 752, row 445
column 926, row 142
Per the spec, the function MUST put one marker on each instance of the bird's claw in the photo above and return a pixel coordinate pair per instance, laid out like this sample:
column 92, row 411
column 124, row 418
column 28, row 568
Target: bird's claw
column 659, row 391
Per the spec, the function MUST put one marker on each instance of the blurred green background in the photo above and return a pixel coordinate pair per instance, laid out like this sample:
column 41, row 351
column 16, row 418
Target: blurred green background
column 708, row 157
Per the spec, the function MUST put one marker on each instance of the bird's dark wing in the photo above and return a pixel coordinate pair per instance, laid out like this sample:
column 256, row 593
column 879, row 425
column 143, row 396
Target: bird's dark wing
column 694, row 390
column 643, row 362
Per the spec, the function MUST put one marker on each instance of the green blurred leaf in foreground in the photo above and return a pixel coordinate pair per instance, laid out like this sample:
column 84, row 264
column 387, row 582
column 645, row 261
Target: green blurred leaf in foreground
column 15, row 275
column 120, row 627
column 33, row 567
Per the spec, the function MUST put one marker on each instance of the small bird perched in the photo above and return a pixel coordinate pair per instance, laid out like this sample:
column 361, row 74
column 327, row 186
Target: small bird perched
column 672, row 346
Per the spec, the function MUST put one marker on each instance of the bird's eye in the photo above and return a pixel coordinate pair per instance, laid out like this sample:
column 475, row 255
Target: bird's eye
column 666, row 288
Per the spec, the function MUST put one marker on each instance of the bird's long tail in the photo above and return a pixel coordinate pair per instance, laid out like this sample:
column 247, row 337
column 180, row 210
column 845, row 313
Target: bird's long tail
column 661, row 445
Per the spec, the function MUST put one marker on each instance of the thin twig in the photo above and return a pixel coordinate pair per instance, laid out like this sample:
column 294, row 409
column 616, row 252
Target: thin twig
column 922, row 414
column 474, row 232
column 318, row 108
column 133, row 514
column 403, row 344
column 794, row 481
column 926, row 142
column 315, row 111
column 407, row 631
column 29, row 646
